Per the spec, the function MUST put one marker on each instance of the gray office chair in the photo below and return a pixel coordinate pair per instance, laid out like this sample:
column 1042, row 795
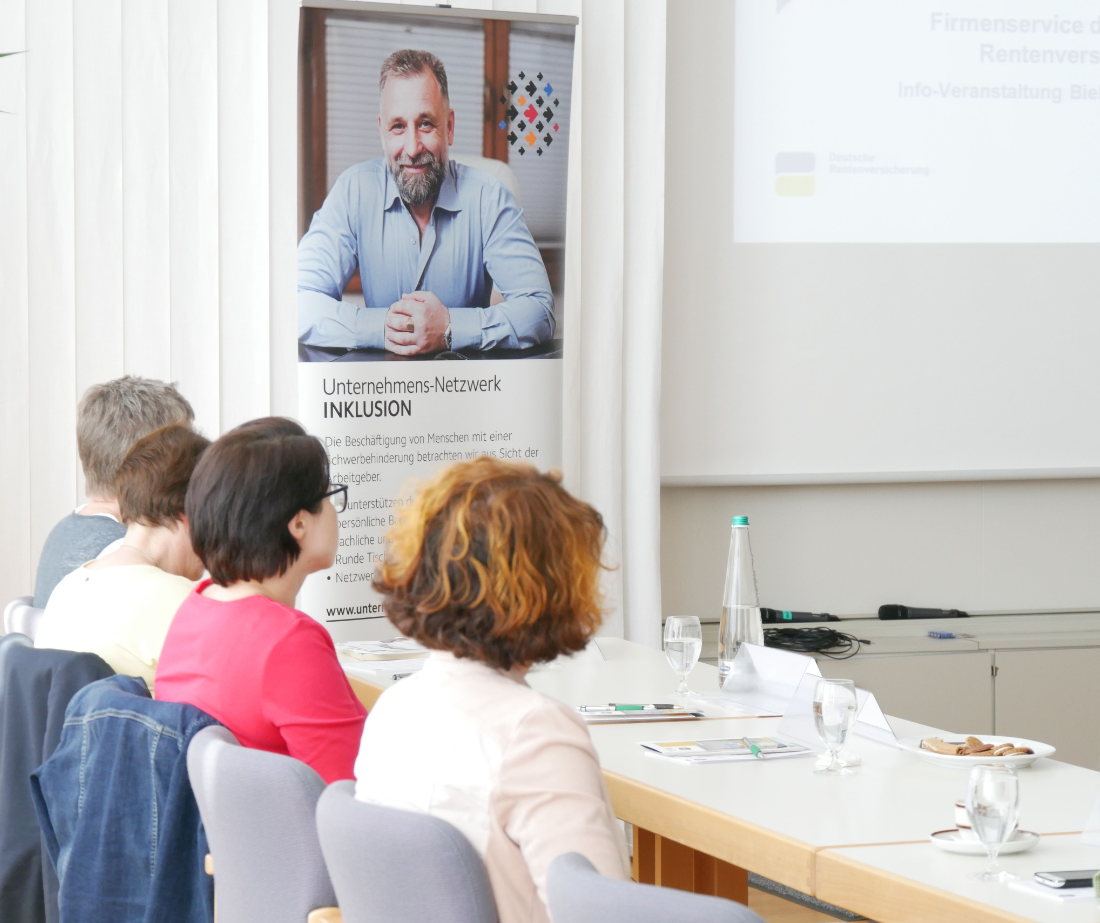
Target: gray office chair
column 393, row 866
column 13, row 639
column 7, row 642
column 20, row 615
column 258, row 809
column 580, row 894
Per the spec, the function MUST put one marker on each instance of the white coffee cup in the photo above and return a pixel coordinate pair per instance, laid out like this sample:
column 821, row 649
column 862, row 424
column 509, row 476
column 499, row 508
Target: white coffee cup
column 962, row 822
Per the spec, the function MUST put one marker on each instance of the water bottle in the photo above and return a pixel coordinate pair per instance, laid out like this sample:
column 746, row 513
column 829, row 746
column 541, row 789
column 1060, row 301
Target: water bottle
column 740, row 602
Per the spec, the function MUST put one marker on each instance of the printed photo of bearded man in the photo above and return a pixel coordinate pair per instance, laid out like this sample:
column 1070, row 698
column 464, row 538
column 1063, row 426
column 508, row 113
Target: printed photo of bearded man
column 430, row 238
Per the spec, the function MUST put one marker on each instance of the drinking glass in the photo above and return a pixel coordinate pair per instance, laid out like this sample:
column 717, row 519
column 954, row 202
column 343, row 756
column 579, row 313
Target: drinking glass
column 834, row 715
column 993, row 806
column 683, row 644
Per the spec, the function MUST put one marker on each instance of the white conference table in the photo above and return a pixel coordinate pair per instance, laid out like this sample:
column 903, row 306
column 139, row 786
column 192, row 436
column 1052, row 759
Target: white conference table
column 778, row 819
column 907, row 882
column 859, row 841
column 893, row 797
column 608, row 671
column 618, row 671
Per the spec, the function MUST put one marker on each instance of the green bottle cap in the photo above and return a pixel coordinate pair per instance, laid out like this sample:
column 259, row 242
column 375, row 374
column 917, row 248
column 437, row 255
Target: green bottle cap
column 740, row 520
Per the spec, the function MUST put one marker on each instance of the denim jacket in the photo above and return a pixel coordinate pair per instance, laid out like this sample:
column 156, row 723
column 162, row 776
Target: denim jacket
column 118, row 815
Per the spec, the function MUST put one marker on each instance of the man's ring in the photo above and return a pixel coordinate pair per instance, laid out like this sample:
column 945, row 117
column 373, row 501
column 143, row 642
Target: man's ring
column 409, row 327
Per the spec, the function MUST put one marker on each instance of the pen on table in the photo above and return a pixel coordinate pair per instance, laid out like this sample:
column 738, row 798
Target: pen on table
column 753, row 748
column 612, row 707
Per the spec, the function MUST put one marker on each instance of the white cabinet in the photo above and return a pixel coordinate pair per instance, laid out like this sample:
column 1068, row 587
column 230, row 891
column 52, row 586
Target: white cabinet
column 1051, row 695
column 1046, row 685
column 949, row 691
column 1045, row 695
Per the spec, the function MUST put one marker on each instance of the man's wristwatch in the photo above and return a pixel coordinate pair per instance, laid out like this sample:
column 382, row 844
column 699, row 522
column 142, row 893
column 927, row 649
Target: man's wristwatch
column 447, row 336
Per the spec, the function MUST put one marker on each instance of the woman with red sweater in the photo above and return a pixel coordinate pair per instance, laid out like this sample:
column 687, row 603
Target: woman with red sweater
column 262, row 517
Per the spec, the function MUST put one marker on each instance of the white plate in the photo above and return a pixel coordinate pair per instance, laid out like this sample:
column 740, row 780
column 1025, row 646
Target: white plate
column 952, row 841
column 912, row 744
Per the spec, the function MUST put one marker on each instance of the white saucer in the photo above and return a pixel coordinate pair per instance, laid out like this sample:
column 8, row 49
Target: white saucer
column 952, row 841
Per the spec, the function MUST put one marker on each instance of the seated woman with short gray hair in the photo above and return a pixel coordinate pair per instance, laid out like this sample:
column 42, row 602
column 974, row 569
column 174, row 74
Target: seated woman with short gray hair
column 495, row 567
column 110, row 418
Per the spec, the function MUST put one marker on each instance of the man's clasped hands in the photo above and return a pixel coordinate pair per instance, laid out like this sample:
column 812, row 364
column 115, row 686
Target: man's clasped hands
column 417, row 324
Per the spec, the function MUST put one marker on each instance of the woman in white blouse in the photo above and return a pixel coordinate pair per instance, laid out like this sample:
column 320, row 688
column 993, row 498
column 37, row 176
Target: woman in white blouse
column 120, row 605
column 494, row 567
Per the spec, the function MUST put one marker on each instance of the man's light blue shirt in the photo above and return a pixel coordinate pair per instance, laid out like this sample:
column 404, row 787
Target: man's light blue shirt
column 476, row 237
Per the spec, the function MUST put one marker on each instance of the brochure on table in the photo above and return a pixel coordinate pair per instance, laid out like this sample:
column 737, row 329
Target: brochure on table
column 1062, row 895
column 725, row 750
column 640, row 717
column 392, row 649
column 382, row 671
column 1090, row 835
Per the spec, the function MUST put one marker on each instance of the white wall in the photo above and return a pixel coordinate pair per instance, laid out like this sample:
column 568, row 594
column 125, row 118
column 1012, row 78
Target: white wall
column 849, row 548
column 1004, row 545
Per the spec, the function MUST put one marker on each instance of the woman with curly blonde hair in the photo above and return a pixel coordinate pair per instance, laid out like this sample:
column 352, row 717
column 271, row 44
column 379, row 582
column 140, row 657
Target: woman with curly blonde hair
column 495, row 567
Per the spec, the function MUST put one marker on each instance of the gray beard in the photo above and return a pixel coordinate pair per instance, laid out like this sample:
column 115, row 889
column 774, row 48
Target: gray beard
column 418, row 189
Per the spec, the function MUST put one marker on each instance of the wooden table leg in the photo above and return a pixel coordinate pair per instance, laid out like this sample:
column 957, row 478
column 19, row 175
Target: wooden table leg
column 661, row 861
column 731, row 882
column 675, row 865
column 644, row 870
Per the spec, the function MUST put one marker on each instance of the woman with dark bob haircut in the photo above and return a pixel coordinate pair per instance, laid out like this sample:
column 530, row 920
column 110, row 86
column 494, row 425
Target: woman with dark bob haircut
column 262, row 519
column 495, row 567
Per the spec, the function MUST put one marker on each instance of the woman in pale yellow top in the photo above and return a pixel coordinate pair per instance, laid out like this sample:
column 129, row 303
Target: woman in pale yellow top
column 495, row 567
column 120, row 605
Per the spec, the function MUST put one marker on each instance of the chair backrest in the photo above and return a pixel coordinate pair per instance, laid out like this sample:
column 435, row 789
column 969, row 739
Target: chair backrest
column 21, row 616
column 391, row 866
column 498, row 169
column 259, row 811
column 580, row 894
column 10, row 640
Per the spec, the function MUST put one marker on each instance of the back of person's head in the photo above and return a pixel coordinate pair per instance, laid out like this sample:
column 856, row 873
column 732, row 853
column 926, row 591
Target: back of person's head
column 151, row 483
column 496, row 562
column 113, row 415
column 245, row 490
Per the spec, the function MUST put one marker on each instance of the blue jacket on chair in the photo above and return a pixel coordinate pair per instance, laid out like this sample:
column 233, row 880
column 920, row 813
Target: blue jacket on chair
column 118, row 815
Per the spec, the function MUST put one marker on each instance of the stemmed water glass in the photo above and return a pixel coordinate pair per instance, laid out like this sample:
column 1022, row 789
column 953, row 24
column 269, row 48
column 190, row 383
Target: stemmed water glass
column 993, row 806
column 683, row 644
column 834, row 715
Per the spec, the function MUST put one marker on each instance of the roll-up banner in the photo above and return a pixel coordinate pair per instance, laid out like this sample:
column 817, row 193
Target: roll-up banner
column 433, row 153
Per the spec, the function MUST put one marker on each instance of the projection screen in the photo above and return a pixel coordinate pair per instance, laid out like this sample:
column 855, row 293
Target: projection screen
column 914, row 263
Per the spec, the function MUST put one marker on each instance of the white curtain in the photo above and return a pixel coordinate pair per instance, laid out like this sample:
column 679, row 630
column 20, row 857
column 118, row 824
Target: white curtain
column 613, row 343
column 147, row 222
column 147, row 226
